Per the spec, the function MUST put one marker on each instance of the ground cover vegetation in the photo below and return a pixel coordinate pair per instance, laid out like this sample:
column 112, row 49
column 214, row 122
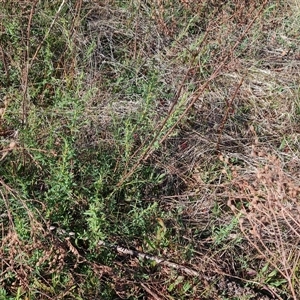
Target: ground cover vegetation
column 149, row 149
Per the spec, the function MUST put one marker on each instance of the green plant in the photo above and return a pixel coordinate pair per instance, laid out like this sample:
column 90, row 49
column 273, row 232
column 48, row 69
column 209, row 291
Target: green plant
column 137, row 127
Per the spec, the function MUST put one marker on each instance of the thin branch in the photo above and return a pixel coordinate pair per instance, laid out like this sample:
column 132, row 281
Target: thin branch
column 159, row 128
column 26, row 68
column 150, row 292
column 215, row 73
column 227, row 113
column 46, row 34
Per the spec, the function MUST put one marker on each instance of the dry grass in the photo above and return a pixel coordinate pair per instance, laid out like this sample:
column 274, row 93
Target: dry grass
column 269, row 203
column 206, row 94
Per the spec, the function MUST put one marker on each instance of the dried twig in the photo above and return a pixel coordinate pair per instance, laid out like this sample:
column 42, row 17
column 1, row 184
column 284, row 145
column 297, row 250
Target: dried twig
column 228, row 111
column 195, row 96
column 150, row 292
column 26, row 68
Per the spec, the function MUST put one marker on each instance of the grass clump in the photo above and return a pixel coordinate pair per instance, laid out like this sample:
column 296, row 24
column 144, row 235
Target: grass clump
column 149, row 150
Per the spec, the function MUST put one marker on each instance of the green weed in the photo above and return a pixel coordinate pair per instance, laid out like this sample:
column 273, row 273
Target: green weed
column 136, row 124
